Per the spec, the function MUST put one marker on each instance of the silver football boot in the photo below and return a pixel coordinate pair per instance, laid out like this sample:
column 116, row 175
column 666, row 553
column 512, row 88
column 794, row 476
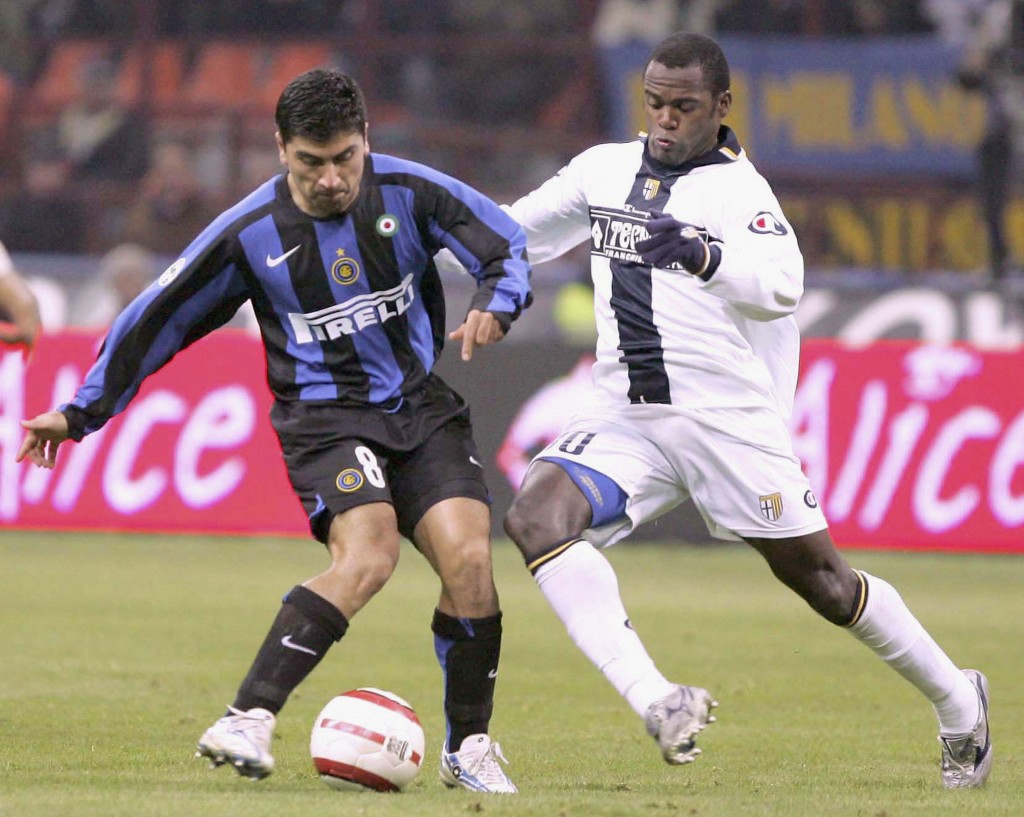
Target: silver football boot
column 967, row 760
column 675, row 721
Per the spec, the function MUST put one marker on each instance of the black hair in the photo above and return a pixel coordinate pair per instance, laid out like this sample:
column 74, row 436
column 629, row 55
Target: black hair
column 683, row 49
column 320, row 104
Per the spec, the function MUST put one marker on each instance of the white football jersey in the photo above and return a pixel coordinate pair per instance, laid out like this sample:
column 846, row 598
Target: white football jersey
column 664, row 335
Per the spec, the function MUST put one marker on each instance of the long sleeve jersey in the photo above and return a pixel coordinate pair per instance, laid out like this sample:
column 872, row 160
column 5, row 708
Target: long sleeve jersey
column 350, row 308
column 665, row 336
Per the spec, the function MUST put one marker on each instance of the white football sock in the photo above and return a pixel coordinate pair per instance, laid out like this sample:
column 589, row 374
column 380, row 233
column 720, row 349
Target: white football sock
column 889, row 628
column 582, row 588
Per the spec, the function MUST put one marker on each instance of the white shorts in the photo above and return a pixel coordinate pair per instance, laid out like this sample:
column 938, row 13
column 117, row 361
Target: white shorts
column 737, row 465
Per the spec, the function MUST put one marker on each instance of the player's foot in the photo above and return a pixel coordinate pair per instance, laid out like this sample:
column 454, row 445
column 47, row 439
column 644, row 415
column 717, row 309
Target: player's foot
column 476, row 767
column 241, row 739
column 676, row 720
column 967, row 759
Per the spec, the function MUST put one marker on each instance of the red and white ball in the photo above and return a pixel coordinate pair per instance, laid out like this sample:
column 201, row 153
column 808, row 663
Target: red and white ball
column 367, row 739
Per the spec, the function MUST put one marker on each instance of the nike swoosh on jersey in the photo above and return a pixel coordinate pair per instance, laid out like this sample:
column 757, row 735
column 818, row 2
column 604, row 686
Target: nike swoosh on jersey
column 291, row 645
column 273, row 262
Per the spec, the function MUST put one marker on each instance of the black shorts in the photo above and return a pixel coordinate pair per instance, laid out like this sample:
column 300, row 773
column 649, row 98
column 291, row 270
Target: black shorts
column 339, row 457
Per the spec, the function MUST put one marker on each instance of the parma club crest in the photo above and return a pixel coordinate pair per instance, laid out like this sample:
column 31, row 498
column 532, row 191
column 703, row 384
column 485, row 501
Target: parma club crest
column 771, row 506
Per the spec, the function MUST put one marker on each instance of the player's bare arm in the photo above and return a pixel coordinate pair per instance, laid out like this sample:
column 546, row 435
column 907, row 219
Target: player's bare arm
column 479, row 329
column 43, row 434
column 20, row 303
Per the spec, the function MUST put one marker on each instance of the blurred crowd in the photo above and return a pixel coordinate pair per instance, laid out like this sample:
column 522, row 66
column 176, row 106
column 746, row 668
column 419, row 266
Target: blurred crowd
column 99, row 158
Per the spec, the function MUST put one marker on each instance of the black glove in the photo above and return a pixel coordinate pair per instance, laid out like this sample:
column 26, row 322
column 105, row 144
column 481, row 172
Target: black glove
column 674, row 242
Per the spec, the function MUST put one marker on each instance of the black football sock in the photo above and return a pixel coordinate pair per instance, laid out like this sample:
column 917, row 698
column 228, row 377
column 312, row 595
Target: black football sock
column 468, row 650
column 305, row 628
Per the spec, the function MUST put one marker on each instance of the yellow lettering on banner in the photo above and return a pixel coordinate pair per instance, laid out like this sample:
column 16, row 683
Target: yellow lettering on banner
column 888, row 218
column 913, row 233
column 635, row 94
column 739, row 118
column 961, row 236
column 887, row 127
column 947, row 117
column 851, row 235
column 788, row 100
column 916, row 238
column 1015, row 229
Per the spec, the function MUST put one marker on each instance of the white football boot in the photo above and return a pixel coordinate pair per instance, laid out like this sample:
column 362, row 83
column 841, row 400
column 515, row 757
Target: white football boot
column 675, row 721
column 476, row 767
column 241, row 739
column 967, row 759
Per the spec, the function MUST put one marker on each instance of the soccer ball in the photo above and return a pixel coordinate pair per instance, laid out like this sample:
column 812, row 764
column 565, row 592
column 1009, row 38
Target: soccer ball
column 367, row 739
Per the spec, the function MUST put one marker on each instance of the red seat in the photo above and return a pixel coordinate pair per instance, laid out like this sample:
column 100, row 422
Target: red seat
column 222, row 77
column 59, row 83
column 286, row 62
column 165, row 73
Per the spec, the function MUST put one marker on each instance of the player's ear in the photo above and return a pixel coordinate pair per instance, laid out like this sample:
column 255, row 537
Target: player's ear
column 725, row 103
column 366, row 139
column 281, row 154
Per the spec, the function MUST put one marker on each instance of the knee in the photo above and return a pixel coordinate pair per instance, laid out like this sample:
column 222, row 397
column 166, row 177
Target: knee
column 517, row 523
column 368, row 569
column 472, row 564
column 535, row 526
column 832, row 595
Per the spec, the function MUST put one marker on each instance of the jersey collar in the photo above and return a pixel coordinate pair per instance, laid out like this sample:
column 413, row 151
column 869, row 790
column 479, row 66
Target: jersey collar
column 726, row 150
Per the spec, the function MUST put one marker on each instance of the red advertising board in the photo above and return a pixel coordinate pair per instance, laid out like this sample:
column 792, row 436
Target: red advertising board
column 194, row 451
column 914, row 446
column 907, row 445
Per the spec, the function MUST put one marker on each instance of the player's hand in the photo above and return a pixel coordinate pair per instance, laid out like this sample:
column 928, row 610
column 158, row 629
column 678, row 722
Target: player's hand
column 42, row 436
column 479, row 329
column 671, row 242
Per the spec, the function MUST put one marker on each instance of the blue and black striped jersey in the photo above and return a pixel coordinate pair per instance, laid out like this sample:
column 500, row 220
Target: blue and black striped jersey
column 351, row 308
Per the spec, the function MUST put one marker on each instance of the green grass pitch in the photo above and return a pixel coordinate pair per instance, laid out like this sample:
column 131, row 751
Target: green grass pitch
column 119, row 650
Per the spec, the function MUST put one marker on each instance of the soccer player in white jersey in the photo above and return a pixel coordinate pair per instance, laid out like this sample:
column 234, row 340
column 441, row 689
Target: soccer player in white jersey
column 697, row 274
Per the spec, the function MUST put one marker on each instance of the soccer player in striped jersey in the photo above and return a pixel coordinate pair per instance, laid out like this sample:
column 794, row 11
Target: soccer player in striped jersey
column 696, row 275
column 335, row 256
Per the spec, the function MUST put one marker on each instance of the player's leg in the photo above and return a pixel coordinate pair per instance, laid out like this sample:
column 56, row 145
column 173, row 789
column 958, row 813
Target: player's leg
column 547, row 521
column 363, row 543
column 747, row 482
column 454, row 536
column 347, row 497
column 875, row 614
column 444, row 510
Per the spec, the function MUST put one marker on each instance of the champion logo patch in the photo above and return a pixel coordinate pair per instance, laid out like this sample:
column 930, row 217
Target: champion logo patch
column 764, row 223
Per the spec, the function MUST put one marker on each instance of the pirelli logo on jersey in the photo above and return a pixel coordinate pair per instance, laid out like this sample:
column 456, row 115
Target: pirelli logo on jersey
column 615, row 233
column 355, row 315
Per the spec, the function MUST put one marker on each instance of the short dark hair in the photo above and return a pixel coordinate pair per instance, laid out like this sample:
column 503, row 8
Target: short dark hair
column 319, row 104
column 683, row 49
